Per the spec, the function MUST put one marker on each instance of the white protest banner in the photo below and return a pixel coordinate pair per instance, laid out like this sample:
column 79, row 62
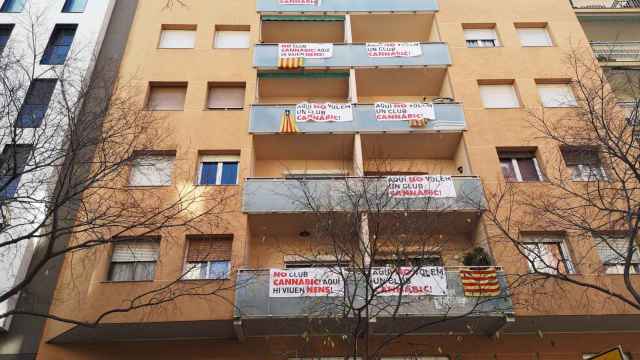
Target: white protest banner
column 307, row 51
column 300, row 2
column 421, row 186
column 403, row 111
column 394, row 49
column 323, row 112
column 305, row 282
column 422, row 281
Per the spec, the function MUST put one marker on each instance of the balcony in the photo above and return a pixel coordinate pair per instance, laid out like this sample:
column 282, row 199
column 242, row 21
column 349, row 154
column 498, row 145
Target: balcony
column 265, row 119
column 616, row 51
column 262, row 315
column 278, row 195
column 348, row 6
column 355, row 56
column 605, row 4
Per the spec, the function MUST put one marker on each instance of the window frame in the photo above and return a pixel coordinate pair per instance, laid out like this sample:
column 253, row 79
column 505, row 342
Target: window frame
column 619, row 267
column 233, row 85
column 35, row 121
column 480, row 41
column 516, row 168
column 8, row 29
column 563, row 247
column 186, row 28
column 220, row 160
column 571, row 103
column 231, row 28
column 188, row 270
column 486, row 85
column 133, row 264
column 582, row 169
column 48, row 56
column 172, row 158
column 70, row 3
column 545, row 29
column 164, row 85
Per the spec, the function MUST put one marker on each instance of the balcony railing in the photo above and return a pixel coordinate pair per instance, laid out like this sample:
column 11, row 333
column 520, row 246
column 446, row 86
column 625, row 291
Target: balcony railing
column 264, row 315
column 278, row 195
column 616, row 51
column 605, row 4
column 355, row 55
column 265, row 119
column 344, row 6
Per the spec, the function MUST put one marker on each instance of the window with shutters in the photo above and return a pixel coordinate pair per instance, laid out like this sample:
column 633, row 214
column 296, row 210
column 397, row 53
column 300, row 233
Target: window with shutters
column 481, row 37
column 36, row 103
column 519, row 165
column 226, row 96
column 218, row 170
column 13, row 6
column 232, row 37
column 74, row 6
column 613, row 251
column 177, row 37
column 556, row 95
column 167, row 96
column 152, row 170
column 134, row 259
column 534, row 35
column 498, row 96
column 5, row 34
column 12, row 164
column 547, row 254
column 208, row 257
column 584, row 163
column 59, row 45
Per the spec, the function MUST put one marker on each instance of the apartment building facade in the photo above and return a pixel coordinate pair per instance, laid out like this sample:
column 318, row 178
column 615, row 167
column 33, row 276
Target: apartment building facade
column 257, row 95
column 42, row 44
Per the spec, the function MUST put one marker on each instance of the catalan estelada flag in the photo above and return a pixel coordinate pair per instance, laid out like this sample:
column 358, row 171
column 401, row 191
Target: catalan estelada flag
column 288, row 123
column 483, row 282
column 290, row 63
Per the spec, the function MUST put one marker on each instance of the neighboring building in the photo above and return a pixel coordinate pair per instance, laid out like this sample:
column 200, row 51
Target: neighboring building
column 49, row 35
column 211, row 68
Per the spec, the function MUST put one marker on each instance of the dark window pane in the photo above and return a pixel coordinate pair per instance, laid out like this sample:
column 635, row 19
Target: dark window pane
column 528, row 170
column 36, row 103
column 12, row 6
column 12, row 164
column 209, row 173
column 229, row 173
column 507, row 170
column 59, row 45
column 5, row 33
column 74, row 6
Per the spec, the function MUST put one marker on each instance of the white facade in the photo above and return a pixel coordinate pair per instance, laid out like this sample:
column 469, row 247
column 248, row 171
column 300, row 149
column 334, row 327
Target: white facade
column 42, row 16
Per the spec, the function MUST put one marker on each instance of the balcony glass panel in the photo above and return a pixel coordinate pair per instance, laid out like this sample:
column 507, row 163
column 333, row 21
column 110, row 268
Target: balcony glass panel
column 341, row 6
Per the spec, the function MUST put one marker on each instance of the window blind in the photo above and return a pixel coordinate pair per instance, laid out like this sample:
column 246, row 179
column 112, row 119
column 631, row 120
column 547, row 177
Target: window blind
column 556, row 95
column 209, row 248
column 232, row 39
column 480, row 34
column 177, row 39
column 534, row 37
column 613, row 250
column 152, row 171
column 499, row 96
column 580, row 156
column 136, row 250
column 226, row 97
column 167, row 97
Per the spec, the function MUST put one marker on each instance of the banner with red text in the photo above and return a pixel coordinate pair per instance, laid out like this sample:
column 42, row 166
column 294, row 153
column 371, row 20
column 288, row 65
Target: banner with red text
column 394, row 49
column 305, row 282
column 300, row 2
column 421, row 186
column 404, row 111
column 323, row 112
column 306, row 50
column 409, row 281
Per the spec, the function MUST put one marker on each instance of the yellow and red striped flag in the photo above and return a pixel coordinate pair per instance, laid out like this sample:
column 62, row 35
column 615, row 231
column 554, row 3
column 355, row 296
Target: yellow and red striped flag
column 290, row 63
column 288, row 123
column 482, row 282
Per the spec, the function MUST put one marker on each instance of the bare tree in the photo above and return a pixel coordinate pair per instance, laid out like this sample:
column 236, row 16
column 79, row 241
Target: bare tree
column 589, row 197
column 65, row 173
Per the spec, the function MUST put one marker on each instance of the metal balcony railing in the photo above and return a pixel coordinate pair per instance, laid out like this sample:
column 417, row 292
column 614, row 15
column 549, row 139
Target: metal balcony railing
column 616, row 51
column 605, row 4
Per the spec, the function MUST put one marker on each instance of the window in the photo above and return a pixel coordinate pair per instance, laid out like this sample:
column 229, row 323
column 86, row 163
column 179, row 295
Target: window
column 534, row 36
column 519, row 166
column 36, row 103
column 547, row 254
column 584, row 164
column 499, row 96
column 477, row 38
column 226, row 96
column 208, row 257
column 134, row 260
column 59, row 45
column 177, row 37
column 232, row 37
column 74, row 6
column 167, row 96
column 5, row 33
column 152, row 170
column 556, row 95
column 12, row 163
column 218, row 170
column 13, row 6
column 613, row 250
column 625, row 356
